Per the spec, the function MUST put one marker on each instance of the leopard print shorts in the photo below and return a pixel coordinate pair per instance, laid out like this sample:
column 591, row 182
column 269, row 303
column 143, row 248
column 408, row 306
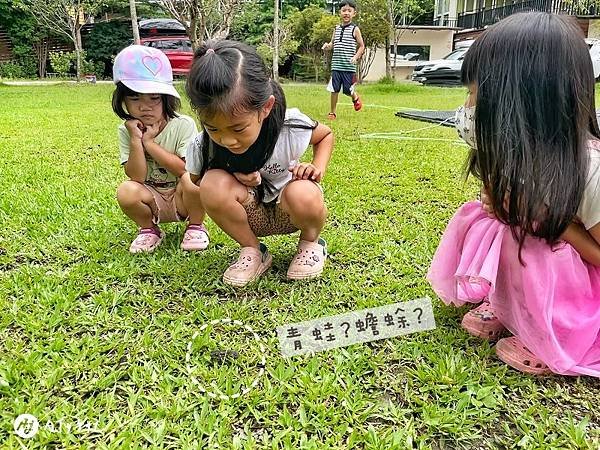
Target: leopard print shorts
column 267, row 219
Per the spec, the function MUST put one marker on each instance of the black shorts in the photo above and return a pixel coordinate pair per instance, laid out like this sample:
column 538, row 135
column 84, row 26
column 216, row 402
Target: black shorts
column 340, row 79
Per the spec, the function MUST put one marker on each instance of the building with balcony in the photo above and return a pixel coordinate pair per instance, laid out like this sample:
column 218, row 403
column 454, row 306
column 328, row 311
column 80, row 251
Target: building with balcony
column 478, row 14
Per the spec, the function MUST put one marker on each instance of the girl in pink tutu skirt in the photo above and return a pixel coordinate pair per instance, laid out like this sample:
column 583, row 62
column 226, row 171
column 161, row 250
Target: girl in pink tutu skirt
column 529, row 252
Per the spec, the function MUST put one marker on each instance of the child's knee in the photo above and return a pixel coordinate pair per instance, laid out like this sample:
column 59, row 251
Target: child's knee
column 303, row 197
column 186, row 185
column 130, row 192
column 217, row 186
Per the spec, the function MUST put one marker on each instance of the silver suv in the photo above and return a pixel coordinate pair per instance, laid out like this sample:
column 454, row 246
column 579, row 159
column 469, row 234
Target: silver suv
column 451, row 62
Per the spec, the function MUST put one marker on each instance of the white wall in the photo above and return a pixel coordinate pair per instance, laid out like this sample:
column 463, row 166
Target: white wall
column 439, row 39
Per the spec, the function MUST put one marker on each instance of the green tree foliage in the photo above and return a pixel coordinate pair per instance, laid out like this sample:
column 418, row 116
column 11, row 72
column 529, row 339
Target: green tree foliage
column 322, row 30
column 256, row 18
column 104, row 42
column 287, row 45
column 302, row 23
column 374, row 25
column 24, row 33
column 411, row 12
column 252, row 23
column 312, row 28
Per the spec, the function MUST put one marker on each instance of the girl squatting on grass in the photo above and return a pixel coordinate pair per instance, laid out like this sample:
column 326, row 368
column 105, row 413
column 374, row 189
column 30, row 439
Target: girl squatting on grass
column 244, row 169
column 153, row 141
column 530, row 251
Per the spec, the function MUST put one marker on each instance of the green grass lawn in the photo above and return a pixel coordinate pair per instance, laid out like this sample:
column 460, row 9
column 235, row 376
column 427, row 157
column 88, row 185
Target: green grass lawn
column 93, row 336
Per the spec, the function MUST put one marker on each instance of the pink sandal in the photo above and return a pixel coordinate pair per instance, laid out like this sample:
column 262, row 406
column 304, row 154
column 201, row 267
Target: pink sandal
column 250, row 265
column 195, row 238
column 512, row 351
column 481, row 322
column 309, row 260
column 147, row 240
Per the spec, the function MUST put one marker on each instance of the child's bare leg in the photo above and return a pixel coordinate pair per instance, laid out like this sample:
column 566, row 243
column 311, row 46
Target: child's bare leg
column 137, row 203
column 334, row 100
column 189, row 204
column 303, row 201
column 222, row 197
column 188, row 201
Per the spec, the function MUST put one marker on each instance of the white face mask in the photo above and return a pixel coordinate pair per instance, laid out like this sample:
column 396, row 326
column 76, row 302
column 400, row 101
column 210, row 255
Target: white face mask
column 464, row 121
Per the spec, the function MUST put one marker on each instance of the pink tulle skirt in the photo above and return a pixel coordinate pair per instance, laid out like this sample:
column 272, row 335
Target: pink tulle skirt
column 552, row 303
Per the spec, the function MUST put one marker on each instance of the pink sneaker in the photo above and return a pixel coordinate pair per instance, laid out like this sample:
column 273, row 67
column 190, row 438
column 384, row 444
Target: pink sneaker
column 147, row 240
column 195, row 238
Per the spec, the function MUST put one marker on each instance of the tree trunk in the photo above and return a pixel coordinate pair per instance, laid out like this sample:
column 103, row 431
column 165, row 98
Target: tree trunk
column 78, row 49
column 134, row 22
column 41, row 53
column 193, row 29
column 388, row 64
column 201, row 27
column 276, row 41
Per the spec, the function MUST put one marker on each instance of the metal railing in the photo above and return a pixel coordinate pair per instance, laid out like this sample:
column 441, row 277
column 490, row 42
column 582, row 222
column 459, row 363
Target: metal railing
column 484, row 17
column 445, row 22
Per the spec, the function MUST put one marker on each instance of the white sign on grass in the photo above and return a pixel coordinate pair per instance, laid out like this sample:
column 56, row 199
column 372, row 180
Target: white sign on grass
column 355, row 327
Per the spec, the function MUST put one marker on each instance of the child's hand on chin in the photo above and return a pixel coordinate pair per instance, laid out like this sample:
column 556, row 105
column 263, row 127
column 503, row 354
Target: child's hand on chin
column 135, row 127
column 152, row 131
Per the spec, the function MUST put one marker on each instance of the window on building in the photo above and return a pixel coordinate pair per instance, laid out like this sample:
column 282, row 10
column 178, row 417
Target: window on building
column 410, row 52
column 440, row 7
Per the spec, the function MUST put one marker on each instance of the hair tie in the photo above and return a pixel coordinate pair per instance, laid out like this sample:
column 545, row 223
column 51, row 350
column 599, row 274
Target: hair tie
column 210, row 50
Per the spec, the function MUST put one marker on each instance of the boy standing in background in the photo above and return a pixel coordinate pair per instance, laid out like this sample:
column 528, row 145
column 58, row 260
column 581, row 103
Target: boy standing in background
column 348, row 47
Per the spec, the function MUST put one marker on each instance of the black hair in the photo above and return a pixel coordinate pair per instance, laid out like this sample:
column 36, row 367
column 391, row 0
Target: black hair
column 230, row 78
column 535, row 112
column 170, row 104
column 350, row 3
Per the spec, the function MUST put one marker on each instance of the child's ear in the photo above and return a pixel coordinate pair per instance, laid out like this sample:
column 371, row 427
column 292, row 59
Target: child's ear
column 268, row 106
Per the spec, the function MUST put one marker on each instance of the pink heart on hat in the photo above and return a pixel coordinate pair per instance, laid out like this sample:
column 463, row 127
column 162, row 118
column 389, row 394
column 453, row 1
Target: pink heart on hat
column 152, row 63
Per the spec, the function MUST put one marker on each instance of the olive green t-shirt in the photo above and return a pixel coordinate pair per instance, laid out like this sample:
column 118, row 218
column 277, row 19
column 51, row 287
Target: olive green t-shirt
column 174, row 138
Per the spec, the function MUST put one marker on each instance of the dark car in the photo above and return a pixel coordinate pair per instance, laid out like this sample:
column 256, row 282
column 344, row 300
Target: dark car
column 161, row 27
column 177, row 48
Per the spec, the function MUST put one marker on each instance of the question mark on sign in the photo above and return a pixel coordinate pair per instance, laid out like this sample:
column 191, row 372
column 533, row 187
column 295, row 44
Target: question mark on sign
column 346, row 330
column 420, row 313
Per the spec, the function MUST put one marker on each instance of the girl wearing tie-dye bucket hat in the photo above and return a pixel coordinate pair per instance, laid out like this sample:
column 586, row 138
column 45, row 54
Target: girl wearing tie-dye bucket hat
column 153, row 142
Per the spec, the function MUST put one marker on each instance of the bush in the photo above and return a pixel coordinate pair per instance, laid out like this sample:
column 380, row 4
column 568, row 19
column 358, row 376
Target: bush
column 310, row 68
column 26, row 61
column 92, row 67
column 386, row 80
column 11, row 69
column 62, row 62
